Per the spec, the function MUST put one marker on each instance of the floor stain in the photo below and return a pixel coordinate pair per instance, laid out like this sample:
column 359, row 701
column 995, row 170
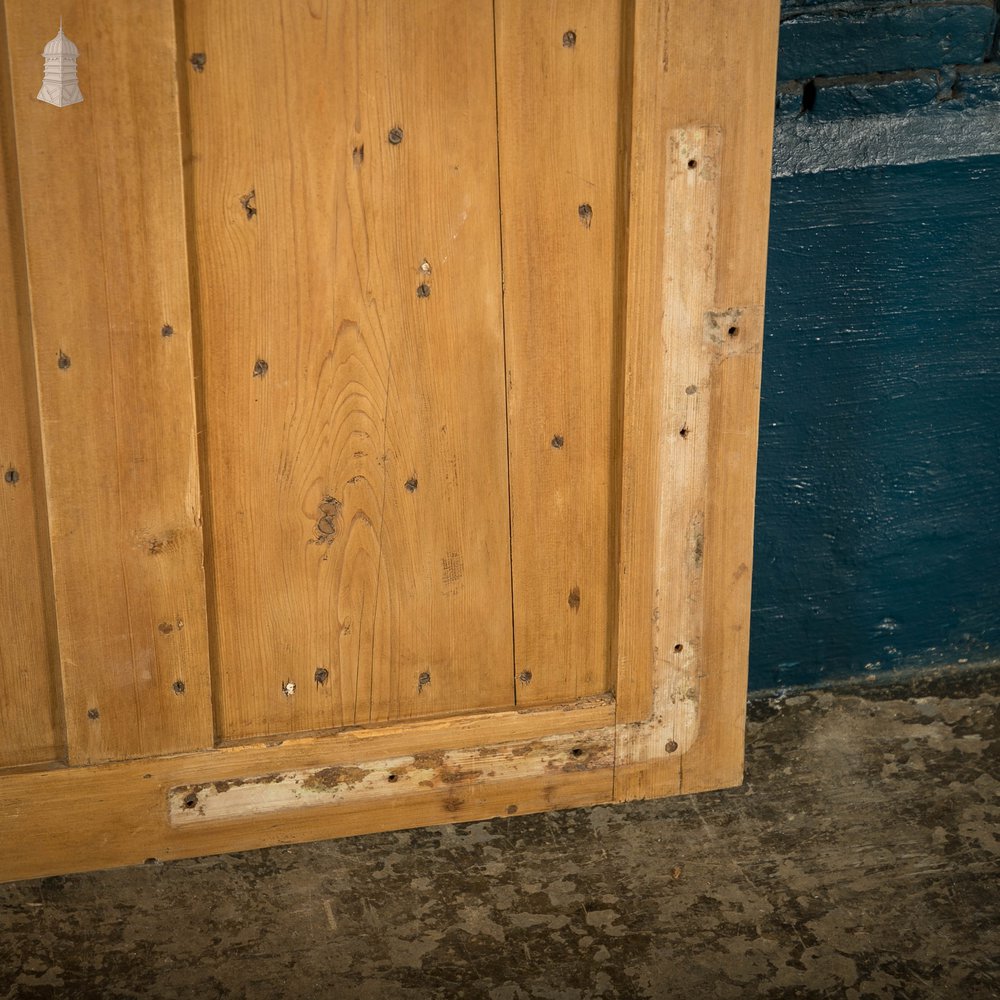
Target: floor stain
column 860, row 859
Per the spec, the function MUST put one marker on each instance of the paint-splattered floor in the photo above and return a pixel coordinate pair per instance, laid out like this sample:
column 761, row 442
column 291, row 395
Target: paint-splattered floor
column 861, row 859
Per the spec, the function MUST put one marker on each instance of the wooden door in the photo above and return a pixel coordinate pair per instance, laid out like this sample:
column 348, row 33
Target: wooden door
column 380, row 430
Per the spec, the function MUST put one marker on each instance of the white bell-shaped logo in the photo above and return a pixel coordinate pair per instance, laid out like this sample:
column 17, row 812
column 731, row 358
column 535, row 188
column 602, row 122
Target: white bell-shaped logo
column 60, row 86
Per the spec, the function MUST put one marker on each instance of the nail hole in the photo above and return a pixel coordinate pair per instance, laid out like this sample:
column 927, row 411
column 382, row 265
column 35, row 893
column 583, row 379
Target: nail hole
column 178, row 687
column 392, row 778
column 670, row 746
column 425, row 266
column 692, row 164
column 92, row 713
column 63, row 361
column 733, row 331
column 358, row 155
column 411, row 484
column 167, row 330
column 569, row 39
column 190, row 800
column 574, row 599
column 423, row 291
column 322, row 675
column 288, row 688
column 679, row 648
column 259, row 368
column 11, row 476
column 165, row 628
column 558, row 441
column 198, row 61
column 808, row 97
column 395, row 135
column 249, row 203
column 684, row 431
column 586, row 214
column 524, row 676
column 691, row 390
column 576, row 752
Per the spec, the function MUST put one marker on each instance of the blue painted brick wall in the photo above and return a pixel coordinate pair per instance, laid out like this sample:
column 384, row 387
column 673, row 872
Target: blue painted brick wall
column 878, row 507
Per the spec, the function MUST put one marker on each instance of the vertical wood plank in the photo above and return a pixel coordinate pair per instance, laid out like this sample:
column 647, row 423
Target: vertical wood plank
column 30, row 723
column 102, row 198
column 559, row 70
column 685, row 600
column 344, row 199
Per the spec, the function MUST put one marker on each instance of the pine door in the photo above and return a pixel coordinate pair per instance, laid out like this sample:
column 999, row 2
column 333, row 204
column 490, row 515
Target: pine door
column 380, row 417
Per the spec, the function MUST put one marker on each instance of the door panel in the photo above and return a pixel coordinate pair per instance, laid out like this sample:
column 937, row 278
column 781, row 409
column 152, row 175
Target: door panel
column 102, row 198
column 562, row 172
column 348, row 288
column 449, row 313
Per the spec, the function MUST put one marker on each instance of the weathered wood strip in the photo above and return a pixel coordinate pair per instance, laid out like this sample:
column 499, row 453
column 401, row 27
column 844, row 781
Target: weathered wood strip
column 120, row 816
column 683, row 624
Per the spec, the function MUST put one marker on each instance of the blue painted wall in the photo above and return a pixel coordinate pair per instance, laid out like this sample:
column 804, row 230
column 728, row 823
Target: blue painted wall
column 878, row 506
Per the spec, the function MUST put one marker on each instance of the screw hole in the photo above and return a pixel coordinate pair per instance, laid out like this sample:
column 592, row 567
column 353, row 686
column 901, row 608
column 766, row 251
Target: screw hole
column 167, row 330
column 423, row 291
column 411, row 484
column 395, row 135
column 178, row 687
column 670, row 746
column 11, row 476
column 322, row 675
column 259, row 368
column 569, row 39
column 524, row 676
column 190, row 800
column 558, row 441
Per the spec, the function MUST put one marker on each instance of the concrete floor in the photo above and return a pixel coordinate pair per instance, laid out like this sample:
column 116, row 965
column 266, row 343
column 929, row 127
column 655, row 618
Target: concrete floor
column 860, row 859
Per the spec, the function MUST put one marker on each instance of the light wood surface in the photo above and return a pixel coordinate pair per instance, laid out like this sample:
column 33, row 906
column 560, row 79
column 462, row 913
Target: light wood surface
column 558, row 71
column 354, row 433
column 121, row 816
column 690, row 588
column 107, row 268
column 358, row 485
column 30, row 723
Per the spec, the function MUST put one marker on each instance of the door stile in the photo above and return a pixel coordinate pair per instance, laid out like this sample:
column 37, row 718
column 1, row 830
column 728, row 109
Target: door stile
column 32, row 728
column 698, row 236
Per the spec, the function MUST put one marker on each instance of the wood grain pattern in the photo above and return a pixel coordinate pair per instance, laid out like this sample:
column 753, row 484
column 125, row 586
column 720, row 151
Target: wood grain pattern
column 658, row 611
column 558, row 70
column 30, row 709
column 120, row 813
column 344, row 198
column 102, row 199
column 343, row 195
